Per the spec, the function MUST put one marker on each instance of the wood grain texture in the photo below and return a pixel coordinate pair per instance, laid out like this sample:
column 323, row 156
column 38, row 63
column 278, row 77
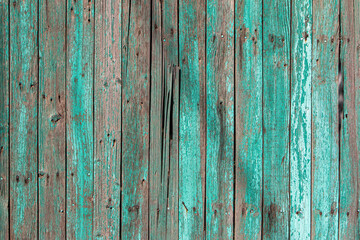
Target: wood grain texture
column 248, row 119
column 276, row 118
column 349, row 150
column 357, row 94
column 164, row 122
column 325, row 148
column 24, row 119
column 4, row 118
column 135, row 128
column 179, row 119
column 79, row 127
column 220, row 119
column 192, row 128
column 300, row 133
column 170, row 33
column 107, row 122
column 52, row 117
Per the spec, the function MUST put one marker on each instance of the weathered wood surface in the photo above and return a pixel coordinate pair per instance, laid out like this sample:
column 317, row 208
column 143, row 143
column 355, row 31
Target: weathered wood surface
column 349, row 139
column 135, row 77
column 300, row 120
column 325, row 124
column 107, row 120
column 276, row 118
column 4, row 119
column 192, row 126
column 248, row 124
column 79, row 119
column 52, row 118
column 179, row 119
column 24, row 84
column 220, row 119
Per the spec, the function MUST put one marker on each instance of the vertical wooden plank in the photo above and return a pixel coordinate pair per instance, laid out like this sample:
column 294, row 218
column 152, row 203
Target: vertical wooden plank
column 4, row 119
column 192, row 128
column 325, row 148
column 249, row 145
column 162, row 222
column 52, row 70
column 79, row 127
column 220, row 119
column 135, row 116
column 357, row 96
column 276, row 113
column 158, row 196
column 24, row 114
column 170, row 34
column 107, row 162
column 349, row 150
column 300, row 133
column 163, row 136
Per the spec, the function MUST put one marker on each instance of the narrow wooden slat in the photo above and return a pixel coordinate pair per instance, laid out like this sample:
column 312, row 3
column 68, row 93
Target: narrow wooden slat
column 24, row 109
column 164, row 148
column 192, row 126
column 276, row 114
column 107, row 162
column 158, row 195
column 300, row 133
column 52, row 70
column 249, row 146
column 170, row 33
column 79, row 127
column 220, row 119
column 357, row 95
column 325, row 148
column 349, row 149
column 4, row 119
column 135, row 116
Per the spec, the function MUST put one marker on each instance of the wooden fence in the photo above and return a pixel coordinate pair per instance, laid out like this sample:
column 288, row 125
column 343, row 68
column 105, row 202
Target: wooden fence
column 179, row 119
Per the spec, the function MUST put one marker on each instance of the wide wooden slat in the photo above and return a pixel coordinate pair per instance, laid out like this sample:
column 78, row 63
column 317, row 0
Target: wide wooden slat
column 300, row 133
column 135, row 116
column 324, row 132
column 24, row 119
column 164, row 122
column 107, row 113
column 52, row 70
column 349, row 149
column 220, row 119
column 249, row 132
column 79, row 127
column 192, row 128
column 276, row 114
column 4, row 119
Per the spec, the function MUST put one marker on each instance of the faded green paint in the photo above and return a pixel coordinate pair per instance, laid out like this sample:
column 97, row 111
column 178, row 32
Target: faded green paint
column 276, row 117
column 192, row 119
column 249, row 131
column 107, row 120
column 135, row 72
column 79, row 125
column 24, row 114
column 349, row 151
column 106, row 137
column 52, row 37
column 300, row 133
column 325, row 150
column 4, row 119
column 220, row 119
